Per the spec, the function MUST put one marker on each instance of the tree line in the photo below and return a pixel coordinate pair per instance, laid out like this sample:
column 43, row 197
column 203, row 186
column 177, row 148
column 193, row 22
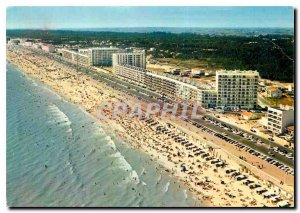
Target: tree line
column 271, row 55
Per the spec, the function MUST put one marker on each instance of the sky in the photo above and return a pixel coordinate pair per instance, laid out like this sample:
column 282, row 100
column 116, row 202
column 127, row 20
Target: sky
column 110, row 17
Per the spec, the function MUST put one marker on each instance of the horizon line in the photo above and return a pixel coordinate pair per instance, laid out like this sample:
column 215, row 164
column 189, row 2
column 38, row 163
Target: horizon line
column 64, row 28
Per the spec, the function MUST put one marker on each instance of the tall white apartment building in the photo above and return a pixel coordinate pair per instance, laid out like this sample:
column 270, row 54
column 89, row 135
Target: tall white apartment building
column 237, row 89
column 279, row 119
column 208, row 98
column 101, row 56
column 136, row 58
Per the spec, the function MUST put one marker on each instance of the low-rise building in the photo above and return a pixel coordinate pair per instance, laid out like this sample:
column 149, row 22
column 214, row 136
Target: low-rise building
column 279, row 118
column 175, row 71
column 273, row 92
column 36, row 46
column 27, row 43
column 13, row 42
column 197, row 72
column 248, row 116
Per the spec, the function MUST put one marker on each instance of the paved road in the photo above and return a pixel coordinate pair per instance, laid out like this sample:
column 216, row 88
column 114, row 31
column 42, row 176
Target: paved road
column 263, row 148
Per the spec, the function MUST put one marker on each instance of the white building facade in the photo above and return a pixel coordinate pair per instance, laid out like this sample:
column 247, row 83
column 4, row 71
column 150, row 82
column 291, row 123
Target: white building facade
column 101, row 56
column 135, row 58
column 279, row 119
column 166, row 86
column 131, row 74
column 208, row 98
column 237, row 89
column 75, row 57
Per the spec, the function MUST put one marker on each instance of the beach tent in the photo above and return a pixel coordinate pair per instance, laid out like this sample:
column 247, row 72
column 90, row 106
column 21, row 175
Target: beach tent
column 275, row 199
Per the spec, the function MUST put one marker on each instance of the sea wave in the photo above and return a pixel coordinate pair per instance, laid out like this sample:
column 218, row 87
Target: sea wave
column 166, row 188
column 58, row 116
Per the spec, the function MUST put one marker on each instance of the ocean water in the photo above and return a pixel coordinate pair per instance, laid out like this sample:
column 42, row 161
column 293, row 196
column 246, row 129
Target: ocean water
column 58, row 156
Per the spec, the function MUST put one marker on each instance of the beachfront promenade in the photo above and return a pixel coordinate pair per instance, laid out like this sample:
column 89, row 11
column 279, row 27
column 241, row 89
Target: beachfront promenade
column 132, row 93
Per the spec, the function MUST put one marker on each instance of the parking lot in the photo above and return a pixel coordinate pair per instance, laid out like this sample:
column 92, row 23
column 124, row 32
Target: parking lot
column 241, row 146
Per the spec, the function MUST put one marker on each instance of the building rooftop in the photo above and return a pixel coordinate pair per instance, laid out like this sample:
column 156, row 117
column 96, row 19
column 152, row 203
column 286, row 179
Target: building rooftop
column 103, row 48
column 282, row 108
column 248, row 114
column 129, row 53
column 237, row 72
column 272, row 88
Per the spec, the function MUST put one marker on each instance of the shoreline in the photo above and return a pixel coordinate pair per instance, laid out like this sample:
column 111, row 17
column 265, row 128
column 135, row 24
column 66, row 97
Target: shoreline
column 112, row 130
column 140, row 135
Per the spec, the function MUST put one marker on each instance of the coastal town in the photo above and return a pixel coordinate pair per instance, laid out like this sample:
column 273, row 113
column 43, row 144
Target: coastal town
column 239, row 153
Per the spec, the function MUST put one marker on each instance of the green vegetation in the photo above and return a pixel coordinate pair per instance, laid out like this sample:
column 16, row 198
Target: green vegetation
column 285, row 100
column 271, row 55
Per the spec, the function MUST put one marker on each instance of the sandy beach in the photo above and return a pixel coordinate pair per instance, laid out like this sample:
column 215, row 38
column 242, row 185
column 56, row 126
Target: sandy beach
column 186, row 156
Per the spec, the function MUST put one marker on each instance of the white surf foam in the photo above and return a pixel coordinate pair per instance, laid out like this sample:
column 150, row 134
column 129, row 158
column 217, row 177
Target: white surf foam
column 58, row 116
column 166, row 188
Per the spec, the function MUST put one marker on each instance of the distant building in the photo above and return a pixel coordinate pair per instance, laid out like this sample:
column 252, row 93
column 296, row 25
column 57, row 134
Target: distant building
column 273, row 92
column 36, row 46
column 185, row 73
column 290, row 88
column 175, row 71
column 197, row 71
column 136, row 58
column 279, row 119
column 209, row 74
column 48, row 48
column 13, row 42
column 237, row 89
column 27, row 43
